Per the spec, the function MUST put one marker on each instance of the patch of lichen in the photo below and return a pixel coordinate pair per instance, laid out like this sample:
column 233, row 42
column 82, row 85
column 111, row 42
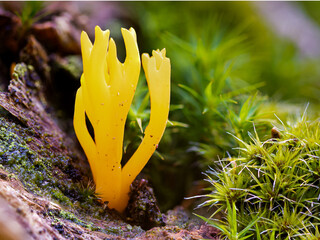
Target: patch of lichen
column 57, row 214
column 114, row 228
column 16, row 156
column 42, row 171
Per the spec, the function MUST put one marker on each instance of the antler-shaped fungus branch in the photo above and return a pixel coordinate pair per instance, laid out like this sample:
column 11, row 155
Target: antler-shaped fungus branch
column 105, row 96
column 157, row 70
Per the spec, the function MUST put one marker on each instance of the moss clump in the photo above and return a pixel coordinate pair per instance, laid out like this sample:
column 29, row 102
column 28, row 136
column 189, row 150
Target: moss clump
column 274, row 183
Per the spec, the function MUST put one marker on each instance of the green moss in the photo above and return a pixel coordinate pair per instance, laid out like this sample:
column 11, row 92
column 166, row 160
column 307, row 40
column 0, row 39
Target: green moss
column 17, row 157
column 276, row 180
column 57, row 214
column 114, row 230
column 44, row 172
column 58, row 195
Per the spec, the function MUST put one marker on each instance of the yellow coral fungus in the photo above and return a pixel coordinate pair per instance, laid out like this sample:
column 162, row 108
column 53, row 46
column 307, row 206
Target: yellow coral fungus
column 105, row 96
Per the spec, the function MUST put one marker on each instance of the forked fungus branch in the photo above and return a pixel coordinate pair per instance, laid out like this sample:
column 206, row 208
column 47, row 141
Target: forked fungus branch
column 105, row 96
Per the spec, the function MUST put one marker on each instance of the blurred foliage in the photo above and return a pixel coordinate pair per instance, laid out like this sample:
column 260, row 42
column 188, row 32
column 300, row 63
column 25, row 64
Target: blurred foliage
column 272, row 60
column 312, row 9
column 30, row 13
column 230, row 73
